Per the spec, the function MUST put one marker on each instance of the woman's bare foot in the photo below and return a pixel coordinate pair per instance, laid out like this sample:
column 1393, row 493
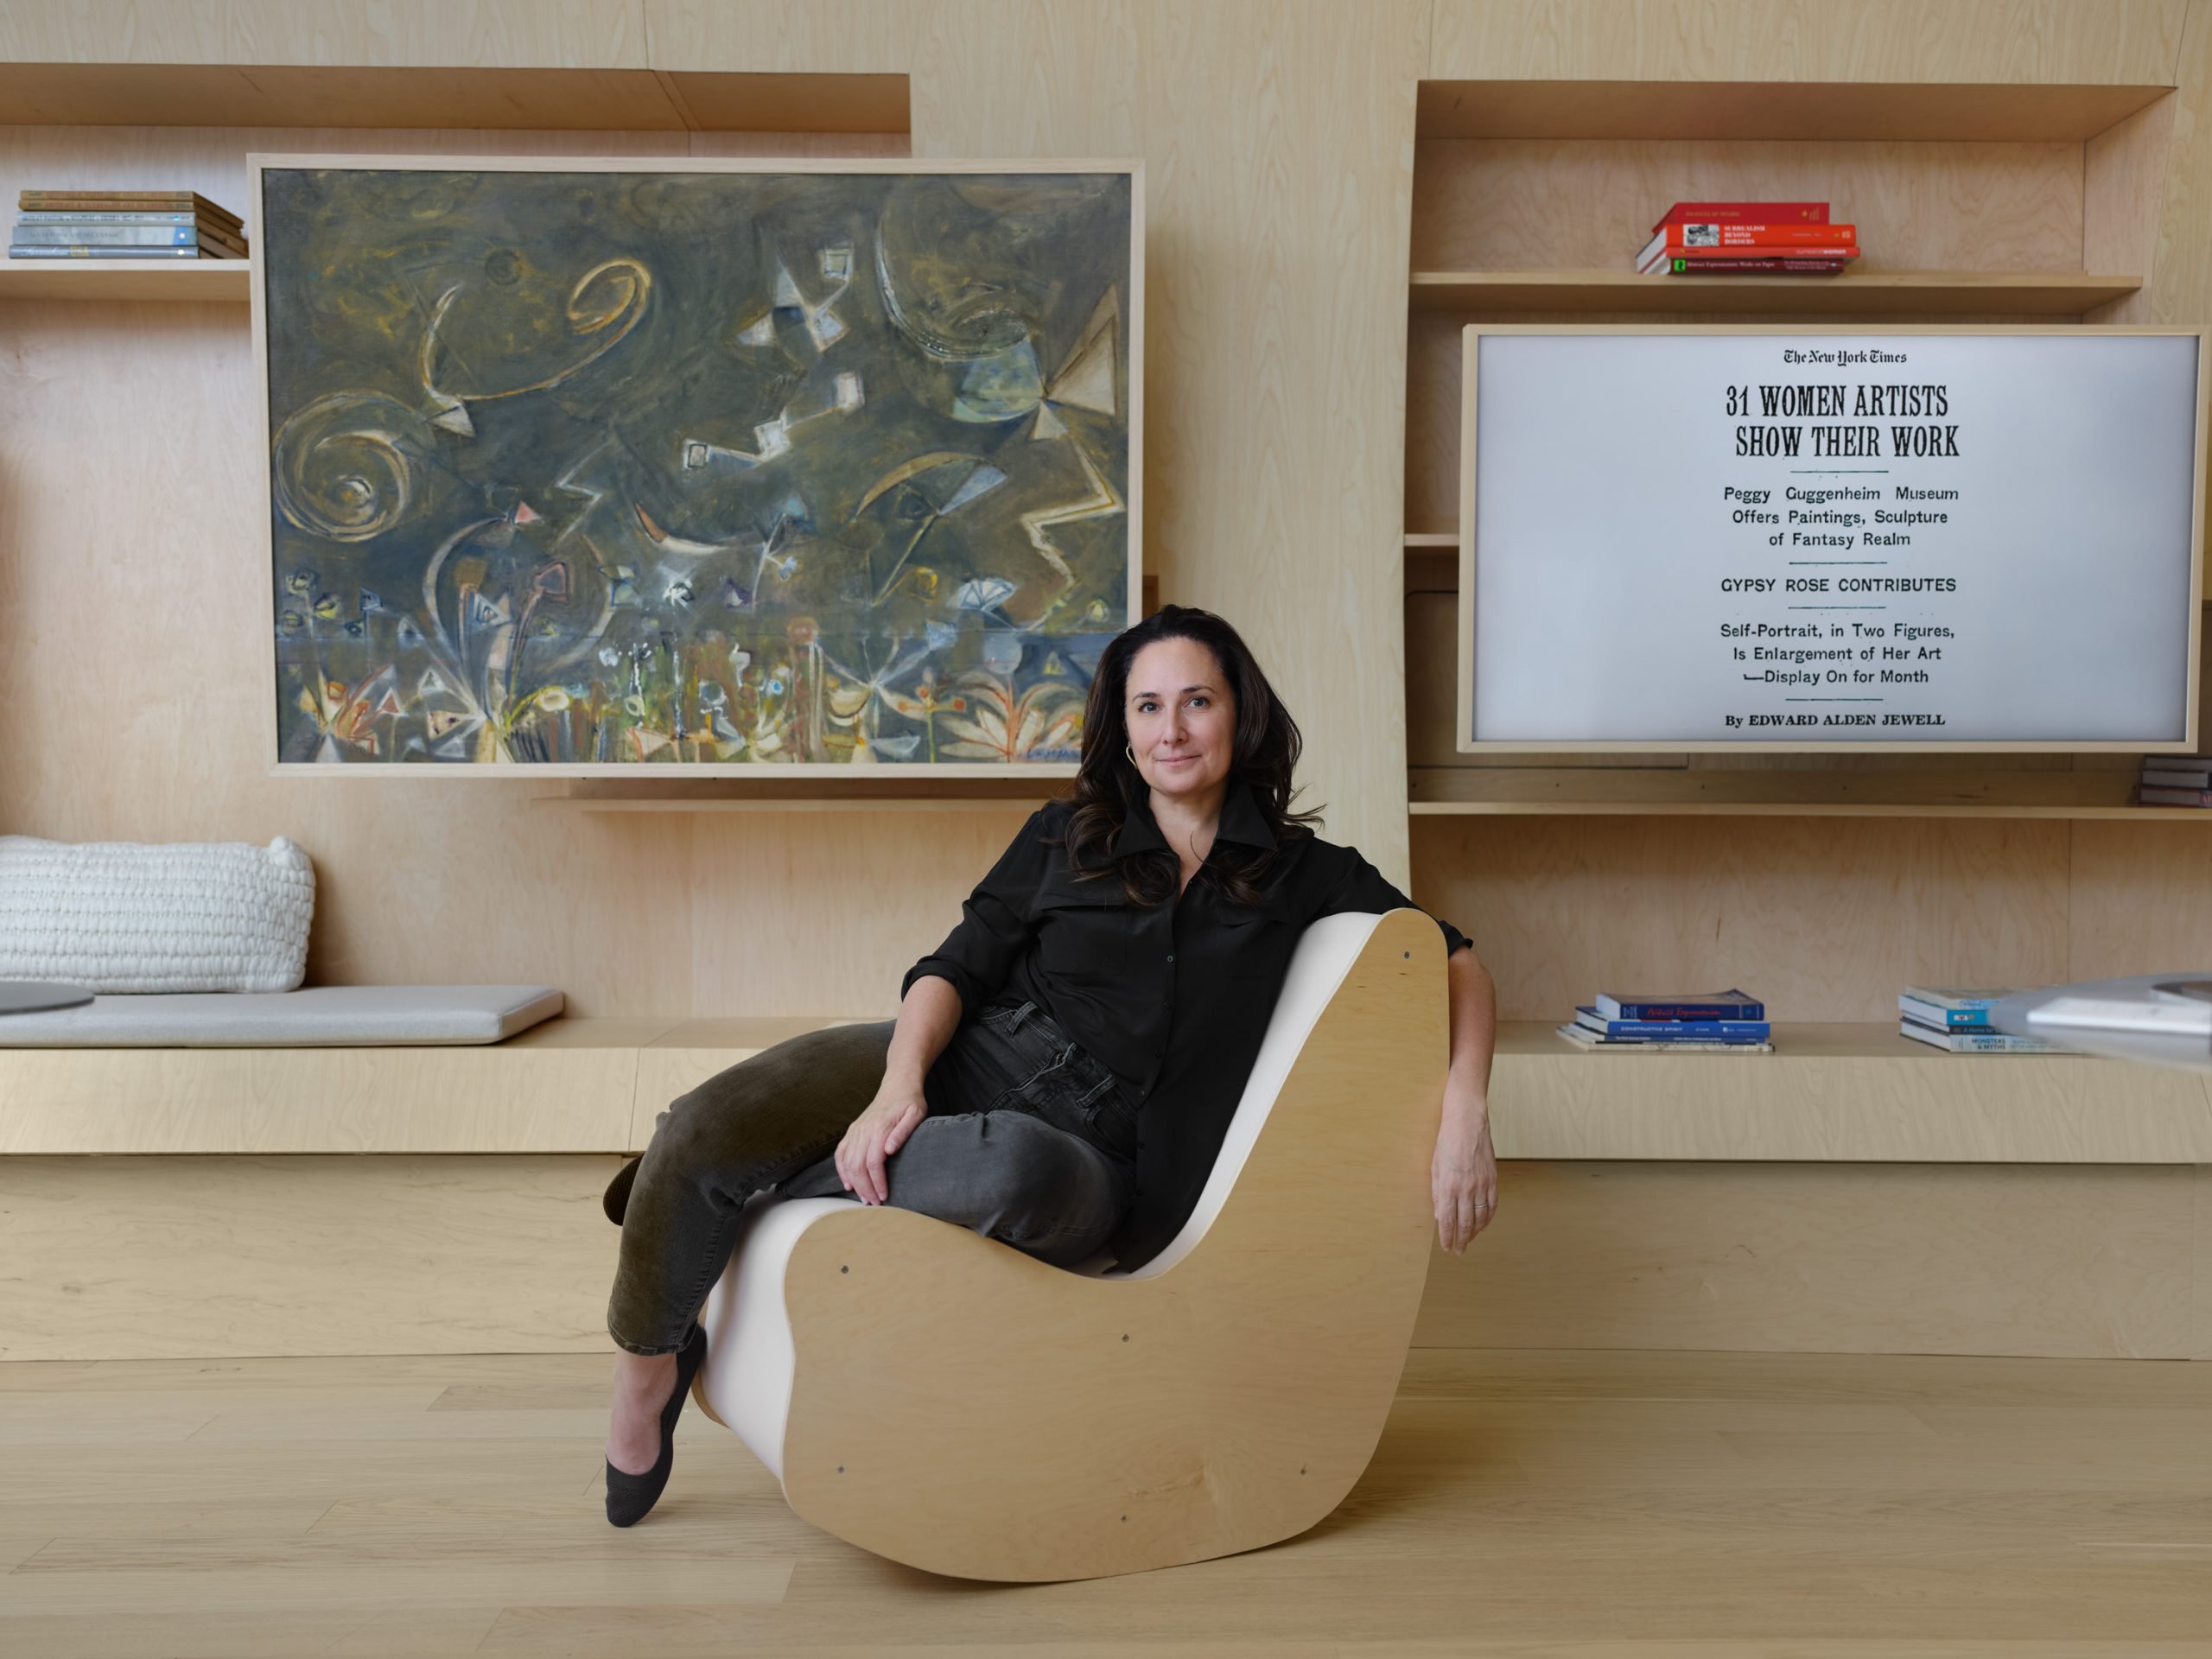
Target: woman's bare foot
column 642, row 1385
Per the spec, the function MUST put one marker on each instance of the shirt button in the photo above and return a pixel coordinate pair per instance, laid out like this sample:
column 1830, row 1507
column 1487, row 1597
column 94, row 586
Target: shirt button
column 1171, row 958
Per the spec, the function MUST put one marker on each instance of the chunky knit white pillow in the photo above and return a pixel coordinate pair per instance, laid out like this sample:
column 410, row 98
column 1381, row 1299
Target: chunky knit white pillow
column 127, row 916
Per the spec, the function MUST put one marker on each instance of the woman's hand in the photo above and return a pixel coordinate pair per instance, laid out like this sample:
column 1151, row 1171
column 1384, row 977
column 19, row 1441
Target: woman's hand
column 874, row 1135
column 1463, row 1176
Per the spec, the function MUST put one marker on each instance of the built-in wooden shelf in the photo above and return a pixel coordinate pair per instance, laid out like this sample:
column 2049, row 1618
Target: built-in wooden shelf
column 1631, row 791
column 1884, row 111
column 194, row 281
column 1854, row 293
column 1839, row 1092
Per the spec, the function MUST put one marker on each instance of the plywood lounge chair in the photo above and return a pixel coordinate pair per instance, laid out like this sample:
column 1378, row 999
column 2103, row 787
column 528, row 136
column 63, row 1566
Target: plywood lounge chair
column 944, row 1400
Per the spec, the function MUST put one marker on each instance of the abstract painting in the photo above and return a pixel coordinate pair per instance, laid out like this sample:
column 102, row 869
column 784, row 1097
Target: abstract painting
column 714, row 464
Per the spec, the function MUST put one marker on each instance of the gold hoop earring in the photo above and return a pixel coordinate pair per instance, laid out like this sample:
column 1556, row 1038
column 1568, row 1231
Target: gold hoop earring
column 1131, row 753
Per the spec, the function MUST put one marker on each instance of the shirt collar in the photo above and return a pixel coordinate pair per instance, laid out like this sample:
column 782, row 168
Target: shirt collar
column 1242, row 820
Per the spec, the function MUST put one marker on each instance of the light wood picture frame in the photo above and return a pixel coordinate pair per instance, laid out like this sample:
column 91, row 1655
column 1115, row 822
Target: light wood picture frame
column 661, row 466
column 1466, row 742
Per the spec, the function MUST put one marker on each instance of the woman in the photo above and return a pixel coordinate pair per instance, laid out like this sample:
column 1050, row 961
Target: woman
column 1056, row 1077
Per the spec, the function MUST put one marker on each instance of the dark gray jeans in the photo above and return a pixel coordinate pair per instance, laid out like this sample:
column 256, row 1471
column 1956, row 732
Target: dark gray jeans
column 1027, row 1140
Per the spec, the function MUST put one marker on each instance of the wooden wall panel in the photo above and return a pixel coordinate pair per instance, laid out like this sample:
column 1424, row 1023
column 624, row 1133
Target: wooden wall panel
column 823, row 913
column 1825, row 918
column 2092, row 1261
column 161, row 1258
column 2181, row 290
column 2123, row 188
column 485, row 34
column 857, row 37
column 2116, row 43
column 2143, row 899
column 1010, row 77
column 2201, row 1277
column 1434, row 383
column 138, row 1258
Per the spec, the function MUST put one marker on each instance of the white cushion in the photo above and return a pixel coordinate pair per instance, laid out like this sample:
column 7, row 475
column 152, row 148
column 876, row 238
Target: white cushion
column 123, row 916
column 339, row 1015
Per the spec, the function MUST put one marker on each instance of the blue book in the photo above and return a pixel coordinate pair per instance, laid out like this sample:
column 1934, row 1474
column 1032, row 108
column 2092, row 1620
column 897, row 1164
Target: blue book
column 1940, row 1006
column 1676, row 1031
column 1680, row 1005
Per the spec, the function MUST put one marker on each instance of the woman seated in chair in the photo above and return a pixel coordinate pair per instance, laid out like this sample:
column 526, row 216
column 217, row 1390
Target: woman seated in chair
column 1064, row 1066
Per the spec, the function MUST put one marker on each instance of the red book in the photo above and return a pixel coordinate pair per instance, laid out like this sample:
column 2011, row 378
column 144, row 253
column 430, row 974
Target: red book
column 1745, row 213
column 1696, row 233
column 1819, row 240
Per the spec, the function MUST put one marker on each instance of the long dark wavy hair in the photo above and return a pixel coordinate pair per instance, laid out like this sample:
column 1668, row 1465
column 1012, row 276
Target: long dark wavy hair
column 1107, row 783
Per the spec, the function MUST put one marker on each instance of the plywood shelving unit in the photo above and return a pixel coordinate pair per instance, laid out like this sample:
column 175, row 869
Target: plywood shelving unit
column 1979, row 204
column 223, row 281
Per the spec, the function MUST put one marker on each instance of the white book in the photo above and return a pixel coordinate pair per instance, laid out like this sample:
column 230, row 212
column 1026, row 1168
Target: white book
column 1976, row 1042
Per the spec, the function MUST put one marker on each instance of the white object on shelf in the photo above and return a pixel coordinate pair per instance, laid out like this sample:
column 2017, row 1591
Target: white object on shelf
column 347, row 1016
column 2102, row 1013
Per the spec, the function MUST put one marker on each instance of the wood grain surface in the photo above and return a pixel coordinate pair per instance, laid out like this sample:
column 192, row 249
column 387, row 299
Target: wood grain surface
column 1576, row 1504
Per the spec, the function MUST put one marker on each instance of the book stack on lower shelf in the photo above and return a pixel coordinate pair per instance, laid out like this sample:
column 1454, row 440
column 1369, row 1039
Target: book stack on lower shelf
column 123, row 225
column 2176, row 780
column 1699, row 1022
column 1747, row 238
column 1959, row 1020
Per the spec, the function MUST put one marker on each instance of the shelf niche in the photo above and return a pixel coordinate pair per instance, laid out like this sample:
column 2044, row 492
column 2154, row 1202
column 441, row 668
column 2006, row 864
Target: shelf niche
column 1974, row 204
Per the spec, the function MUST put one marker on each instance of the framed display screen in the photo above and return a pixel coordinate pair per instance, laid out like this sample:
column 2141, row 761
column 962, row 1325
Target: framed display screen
column 1784, row 537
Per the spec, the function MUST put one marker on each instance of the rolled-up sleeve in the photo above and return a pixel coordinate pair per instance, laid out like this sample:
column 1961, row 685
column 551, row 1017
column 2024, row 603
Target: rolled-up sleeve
column 996, row 921
column 1348, row 881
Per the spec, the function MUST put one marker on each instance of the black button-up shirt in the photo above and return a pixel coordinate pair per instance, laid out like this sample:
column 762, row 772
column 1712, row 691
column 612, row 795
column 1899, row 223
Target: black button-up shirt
column 1174, row 997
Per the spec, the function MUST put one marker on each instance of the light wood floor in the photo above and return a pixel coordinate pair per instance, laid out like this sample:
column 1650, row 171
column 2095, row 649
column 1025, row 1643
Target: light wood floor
column 1549, row 1502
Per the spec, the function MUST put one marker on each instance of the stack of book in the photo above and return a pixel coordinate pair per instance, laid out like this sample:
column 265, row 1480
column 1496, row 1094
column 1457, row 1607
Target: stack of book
column 2176, row 780
column 123, row 225
column 1748, row 238
column 1959, row 1020
column 1645, row 1023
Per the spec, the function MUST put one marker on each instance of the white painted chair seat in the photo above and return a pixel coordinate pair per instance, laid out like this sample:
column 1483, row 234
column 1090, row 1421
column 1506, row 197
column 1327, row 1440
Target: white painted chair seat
column 948, row 1401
